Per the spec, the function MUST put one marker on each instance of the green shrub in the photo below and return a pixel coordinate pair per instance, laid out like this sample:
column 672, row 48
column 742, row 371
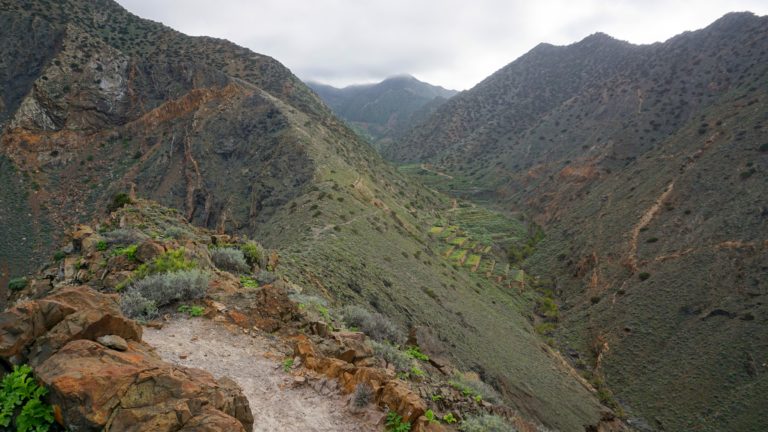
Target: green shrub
column 171, row 261
column 191, row 311
column 486, row 423
column 395, row 423
column 128, row 252
column 254, row 253
column 415, row 353
column 249, row 282
column 392, row 356
column 287, row 364
column 59, row 255
column 17, row 284
column 449, row 418
column 643, row 276
column 230, row 259
column 21, row 404
column 135, row 305
column 102, row 245
column 374, row 324
column 118, row 201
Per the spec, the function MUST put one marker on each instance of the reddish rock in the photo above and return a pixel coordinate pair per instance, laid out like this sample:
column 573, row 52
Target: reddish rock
column 398, row 397
column 94, row 387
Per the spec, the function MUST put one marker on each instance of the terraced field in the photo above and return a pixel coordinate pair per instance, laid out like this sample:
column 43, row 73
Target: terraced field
column 478, row 239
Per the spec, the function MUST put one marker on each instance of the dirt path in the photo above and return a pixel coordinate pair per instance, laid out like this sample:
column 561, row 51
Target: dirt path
column 255, row 363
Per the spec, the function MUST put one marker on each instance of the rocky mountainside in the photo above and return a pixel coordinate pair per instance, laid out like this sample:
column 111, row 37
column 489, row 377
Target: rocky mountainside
column 646, row 166
column 99, row 105
column 384, row 111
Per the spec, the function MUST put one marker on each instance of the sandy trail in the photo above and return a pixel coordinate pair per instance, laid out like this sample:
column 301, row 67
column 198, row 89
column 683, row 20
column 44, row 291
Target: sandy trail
column 254, row 363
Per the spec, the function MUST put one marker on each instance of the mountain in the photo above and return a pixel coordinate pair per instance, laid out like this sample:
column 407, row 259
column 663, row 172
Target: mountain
column 383, row 111
column 98, row 106
column 646, row 167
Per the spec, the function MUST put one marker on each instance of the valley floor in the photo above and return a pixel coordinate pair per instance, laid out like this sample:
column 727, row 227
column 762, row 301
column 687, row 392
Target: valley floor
column 280, row 402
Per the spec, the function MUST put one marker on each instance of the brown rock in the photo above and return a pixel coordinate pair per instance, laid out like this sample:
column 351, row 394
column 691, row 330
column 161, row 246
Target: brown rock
column 238, row 318
column 148, row 250
column 398, row 397
column 94, row 387
column 352, row 346
column 113, row 341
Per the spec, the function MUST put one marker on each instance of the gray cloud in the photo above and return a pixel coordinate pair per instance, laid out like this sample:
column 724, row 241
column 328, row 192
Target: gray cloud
column 453, row 43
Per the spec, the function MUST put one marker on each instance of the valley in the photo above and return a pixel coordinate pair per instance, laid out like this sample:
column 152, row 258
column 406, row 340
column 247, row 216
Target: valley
column 577, row 243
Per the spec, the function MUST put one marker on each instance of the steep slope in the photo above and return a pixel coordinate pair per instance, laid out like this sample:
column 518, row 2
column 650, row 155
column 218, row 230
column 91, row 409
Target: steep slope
column 384, row 111
column 98, row 102
column 646, row 165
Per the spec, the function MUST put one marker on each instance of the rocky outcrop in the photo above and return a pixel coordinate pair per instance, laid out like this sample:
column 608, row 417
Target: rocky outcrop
column 101, row 376
column 387, row 390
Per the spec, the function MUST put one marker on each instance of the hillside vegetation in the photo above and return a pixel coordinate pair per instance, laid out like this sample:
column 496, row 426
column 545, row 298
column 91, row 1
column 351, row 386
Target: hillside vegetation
column 646, row 166
column 99, row 106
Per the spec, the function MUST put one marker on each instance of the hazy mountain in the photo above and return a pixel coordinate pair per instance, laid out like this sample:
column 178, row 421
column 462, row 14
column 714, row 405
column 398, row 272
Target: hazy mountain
column 383, row 111
column 646, row 165
column 95, row 101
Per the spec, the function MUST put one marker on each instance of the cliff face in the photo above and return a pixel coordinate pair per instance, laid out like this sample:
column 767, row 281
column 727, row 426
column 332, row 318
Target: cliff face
column 646, row 166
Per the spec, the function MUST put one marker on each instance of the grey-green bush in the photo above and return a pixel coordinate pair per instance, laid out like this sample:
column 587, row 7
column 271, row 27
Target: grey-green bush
column 486, row 423
column 166, row 288
column 476, row 387
column 393, row 356
column 362, row 396
column 374, row 324
column 230, row 259
column 136, row 306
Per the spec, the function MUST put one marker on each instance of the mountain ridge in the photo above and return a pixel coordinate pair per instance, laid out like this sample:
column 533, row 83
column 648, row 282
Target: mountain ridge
column 643, row 165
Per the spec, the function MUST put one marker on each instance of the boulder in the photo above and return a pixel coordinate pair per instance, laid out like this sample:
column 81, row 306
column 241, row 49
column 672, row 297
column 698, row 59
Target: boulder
column 113, row 341
column 102, row 377
column 148, row 250
column 94, row 388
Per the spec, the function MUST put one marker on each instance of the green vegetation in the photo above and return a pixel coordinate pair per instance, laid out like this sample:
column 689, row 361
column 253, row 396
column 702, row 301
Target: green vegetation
column 287, row 364
column 143, row 297
column 59, row 255
column 230, row 259
column 392, row 356
column 170, row 261
column 375, row 325
column 191, row 311
column 119, row 201
column 395, row 423
column 102, row 245
column 17, row 284
column 249, row 282
column 254, row 253
column 430, row 416
column 21, row 403
column 643, row 275
column 362, row 396
column 449, row 418
column 415, row 353
column 474, row 388
column 128, row 252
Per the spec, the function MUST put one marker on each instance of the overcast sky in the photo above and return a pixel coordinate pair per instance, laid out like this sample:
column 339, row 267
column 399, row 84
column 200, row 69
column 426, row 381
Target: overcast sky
column 453, row 43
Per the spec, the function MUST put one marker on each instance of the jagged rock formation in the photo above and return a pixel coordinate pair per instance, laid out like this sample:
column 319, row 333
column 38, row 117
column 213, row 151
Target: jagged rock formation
column 384, row 111
column 94, row 386
column 646, row 165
